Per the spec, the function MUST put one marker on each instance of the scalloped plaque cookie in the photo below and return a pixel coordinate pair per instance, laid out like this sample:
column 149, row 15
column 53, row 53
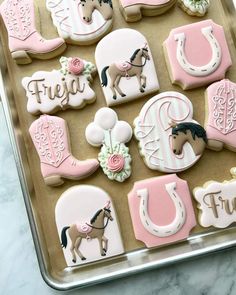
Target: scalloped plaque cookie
column 133, row 10
column 126, row 67
column 81, row 22
column 112, row 135
column 68, row 87
column 197, row 54
column 161, row 210
column 169, row 139
column 87, row 225
column 217, row 202
column 221, row 115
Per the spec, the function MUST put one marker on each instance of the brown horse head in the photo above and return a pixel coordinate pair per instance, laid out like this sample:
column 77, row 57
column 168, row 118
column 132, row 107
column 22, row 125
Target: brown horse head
column 107, row 211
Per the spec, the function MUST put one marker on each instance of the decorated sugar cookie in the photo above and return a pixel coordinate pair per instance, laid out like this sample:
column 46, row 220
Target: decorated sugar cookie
column 161, row 210
column 125, row 66
column 24, row 41
column 194, row 7
column 221, row 115
column 112, row 135
column 51, row 140
column 87, row 225
column 68, row 87
column 217, row 202
column 133, row 10
column 169, row 139
column 197, row 54
column 81, row 22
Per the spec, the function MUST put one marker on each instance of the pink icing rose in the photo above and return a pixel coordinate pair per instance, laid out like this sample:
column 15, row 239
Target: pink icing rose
column 76, row 65
column 115, row 163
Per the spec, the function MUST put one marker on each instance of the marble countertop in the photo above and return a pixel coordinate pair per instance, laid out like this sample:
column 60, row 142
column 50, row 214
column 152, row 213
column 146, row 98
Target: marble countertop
column 19, row 271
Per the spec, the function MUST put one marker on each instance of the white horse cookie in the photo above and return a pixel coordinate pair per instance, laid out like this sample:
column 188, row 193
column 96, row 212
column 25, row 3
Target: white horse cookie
column 68, row 87
column 161, row 210
column 133, row 10
column 110, row 133
column 197, row 54
column 87, row 225
column 81, row 22
column 169, row 139
column 217, row 202
column 125, row 66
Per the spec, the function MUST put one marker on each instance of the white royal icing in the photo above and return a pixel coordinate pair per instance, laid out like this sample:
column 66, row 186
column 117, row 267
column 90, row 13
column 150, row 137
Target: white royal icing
column 200, row 7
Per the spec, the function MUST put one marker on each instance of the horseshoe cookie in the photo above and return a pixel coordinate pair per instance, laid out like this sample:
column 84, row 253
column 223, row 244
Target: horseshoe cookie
column 127, row 72
column 87, row 225
column 187, row 65
column 161, row 210
column 133, row 10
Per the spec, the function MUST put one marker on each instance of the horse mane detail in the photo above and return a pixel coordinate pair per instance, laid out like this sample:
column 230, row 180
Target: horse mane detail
column 134, row 54
column 196, row 130
column 106, row 2
column 93, row 219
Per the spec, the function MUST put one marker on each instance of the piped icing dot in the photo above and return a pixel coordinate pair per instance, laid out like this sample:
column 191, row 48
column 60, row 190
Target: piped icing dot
column 76, row 65
column 115, row 163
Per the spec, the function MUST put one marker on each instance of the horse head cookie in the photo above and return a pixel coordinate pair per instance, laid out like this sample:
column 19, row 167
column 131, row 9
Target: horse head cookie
column 81, row 22
column 217, row 202
column 221, row 115
column 68, row 87
column 161, row 210
column 133, row 10
column 87, row 225
column 169, row 139
column 111, row 134
column 184, row 48
column 126, row 67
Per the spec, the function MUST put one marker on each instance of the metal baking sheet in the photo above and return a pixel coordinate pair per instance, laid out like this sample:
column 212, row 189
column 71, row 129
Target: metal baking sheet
column 40, row 201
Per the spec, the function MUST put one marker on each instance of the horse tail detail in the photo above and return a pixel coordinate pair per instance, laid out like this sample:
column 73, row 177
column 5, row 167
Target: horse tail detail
column 104, row 77
column 64, row 237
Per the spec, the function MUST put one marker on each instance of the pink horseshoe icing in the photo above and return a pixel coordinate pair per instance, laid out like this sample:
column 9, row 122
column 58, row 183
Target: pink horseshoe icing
column 166, row 230
column 199, row 71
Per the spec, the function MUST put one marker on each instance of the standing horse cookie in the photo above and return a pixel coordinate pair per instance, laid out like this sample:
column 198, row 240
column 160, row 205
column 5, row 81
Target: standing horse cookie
column 169, row 139
column 81, row 22
column 87, row 225
column 125, row 66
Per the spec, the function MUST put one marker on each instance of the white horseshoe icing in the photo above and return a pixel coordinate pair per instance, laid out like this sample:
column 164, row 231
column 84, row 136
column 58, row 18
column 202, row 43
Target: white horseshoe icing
column 166, row 230
column 207, row 69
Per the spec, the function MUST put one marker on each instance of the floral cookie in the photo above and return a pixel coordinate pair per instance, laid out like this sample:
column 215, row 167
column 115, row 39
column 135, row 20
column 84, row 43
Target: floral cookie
column 51, row 140
column 217, row 202
column 169, row 139
column 194, row 7
column 161, row 210
column 24, row 41
column 125, row 66
column 68, row 87
column 184, row 48
column 81, row 22
column 111, row 134
column 133, row 10
column 87, row 225
column 221, row 115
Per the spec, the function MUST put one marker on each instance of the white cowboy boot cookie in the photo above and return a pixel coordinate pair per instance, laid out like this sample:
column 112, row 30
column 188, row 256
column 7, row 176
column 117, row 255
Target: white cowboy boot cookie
column 24, row 41
column 50, row 137
column 125, row 66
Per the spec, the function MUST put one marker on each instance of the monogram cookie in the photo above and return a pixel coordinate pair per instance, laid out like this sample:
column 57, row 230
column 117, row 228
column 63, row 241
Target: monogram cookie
column 112, row 135
column 197, row 54
column 161, row 210
column 81, row 22
column 87, row 225
column 125, row 66
column 68, row 87
column 221, row 115
column 217, row 202
column 133, row 10
column 169, row 139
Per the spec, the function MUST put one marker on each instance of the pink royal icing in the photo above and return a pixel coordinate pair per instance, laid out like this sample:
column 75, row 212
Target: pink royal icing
column 115, row 163
column 221, row 123
column 83, row 228
column 145, row 2
column 76, row 65
column 123, row 66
